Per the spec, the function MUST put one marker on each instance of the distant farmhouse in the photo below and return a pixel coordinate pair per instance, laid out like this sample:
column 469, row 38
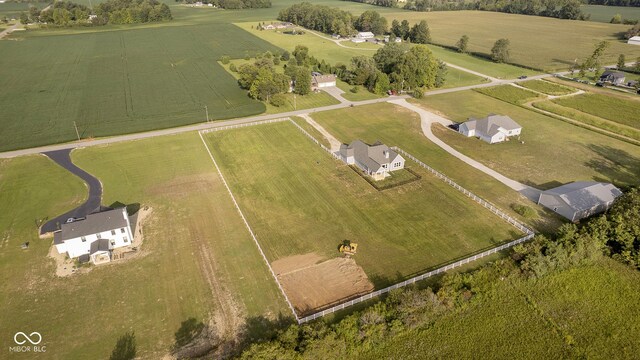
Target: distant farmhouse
column 375, row 160
column 321, row 81
column 613, row 77
column 579, row 199
column 492, row 129
column 365, row 35
column 93, row 238
column 634, row 40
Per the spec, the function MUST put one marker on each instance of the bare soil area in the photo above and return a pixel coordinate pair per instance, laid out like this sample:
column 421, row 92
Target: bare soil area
column 312, row 286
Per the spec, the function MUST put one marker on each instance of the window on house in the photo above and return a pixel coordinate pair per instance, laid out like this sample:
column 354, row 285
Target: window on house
column 83, row 239
column 122, row 230
column 125, row 239
column 113, row 243
column 113, row 232
column 99, row 236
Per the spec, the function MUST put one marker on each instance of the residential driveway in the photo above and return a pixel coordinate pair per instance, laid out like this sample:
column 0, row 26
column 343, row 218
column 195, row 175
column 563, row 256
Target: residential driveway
column 63, row 158
column 428, row 118
column 336, row 92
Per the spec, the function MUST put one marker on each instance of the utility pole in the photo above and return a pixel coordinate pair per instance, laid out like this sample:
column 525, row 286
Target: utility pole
column 294, row 102
column 206, row 110
column 77, row 133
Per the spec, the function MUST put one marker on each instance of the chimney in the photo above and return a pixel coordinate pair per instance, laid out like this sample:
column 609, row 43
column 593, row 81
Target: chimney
column 385, row 153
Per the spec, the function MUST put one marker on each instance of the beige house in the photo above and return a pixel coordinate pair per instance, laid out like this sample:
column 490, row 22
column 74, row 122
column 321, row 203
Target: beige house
column 321, row 81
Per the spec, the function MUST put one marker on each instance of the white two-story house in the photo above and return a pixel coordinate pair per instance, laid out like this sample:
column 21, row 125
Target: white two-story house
column 93, row 238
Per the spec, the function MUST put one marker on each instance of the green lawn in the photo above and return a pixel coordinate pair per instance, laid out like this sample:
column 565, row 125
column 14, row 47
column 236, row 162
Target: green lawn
column 193, row 229
column 509, row 93
column 553, row 152
column 605, row 13
column 397, row 126
column 311, row 130
column 621, row 110
column 361, row 94
column 537, row 42
column 298, row 199
column 588, row 119
column 585, row 312
column 483, row 66
column 547, row 87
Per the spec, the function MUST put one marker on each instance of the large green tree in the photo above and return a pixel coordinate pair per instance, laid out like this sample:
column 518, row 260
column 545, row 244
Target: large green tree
column 500, row 50
column 371, row 20
column 463, row 44
column 303, row 81
column 420, row 33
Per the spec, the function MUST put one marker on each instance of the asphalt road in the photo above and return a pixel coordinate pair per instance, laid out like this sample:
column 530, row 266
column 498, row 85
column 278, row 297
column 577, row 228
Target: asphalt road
column 63, row 158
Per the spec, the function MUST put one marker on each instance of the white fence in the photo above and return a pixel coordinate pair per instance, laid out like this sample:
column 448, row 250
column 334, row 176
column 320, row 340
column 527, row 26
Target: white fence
column 529, row 234
column 369, row 296
column 468, row 193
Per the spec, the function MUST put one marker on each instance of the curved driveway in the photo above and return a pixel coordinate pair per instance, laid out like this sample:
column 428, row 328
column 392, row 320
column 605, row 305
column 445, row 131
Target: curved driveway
column 63, row 158
column 428, row 118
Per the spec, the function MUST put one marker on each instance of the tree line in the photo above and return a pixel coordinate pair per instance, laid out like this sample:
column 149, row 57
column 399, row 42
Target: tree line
column 67, row 13
column 614, row 2
column 232, row 4
column 615, row 234
column 562, row 9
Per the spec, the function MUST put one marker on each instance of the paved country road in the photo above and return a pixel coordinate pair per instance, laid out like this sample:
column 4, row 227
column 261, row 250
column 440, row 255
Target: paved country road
column 63, row 158
column 221, row 123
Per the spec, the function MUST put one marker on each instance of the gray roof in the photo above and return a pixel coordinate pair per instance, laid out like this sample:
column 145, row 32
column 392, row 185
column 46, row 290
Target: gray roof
column 491, row 124
column 613, row 74
column 585, row 195
column 99, row 245
column 92, row 224
column 373, row 156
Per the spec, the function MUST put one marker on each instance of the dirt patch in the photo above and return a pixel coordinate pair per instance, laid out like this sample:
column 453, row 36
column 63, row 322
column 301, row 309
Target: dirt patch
column 312, row 287
column 295, row 262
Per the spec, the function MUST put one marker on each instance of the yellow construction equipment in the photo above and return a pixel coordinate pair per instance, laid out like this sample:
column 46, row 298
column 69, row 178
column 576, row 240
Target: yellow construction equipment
column 348, row 248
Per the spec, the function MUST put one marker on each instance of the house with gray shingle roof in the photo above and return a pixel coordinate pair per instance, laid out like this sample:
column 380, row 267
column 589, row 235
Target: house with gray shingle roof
column 375, row 160
column 94, row 237
column 613, row 77
column 580, row 199
column 492, row 129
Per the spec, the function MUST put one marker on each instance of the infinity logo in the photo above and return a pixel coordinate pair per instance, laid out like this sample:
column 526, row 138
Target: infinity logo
column 27, row 338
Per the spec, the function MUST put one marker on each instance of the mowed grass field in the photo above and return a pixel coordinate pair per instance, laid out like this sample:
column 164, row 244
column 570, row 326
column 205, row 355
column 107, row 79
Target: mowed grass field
column 298, row 200
column 623, row 110
column 547, row 87
column 537, row 42
column 585, row 312
column 554, row 152
column 198, row 259
column 395, row 125
column 119, row 82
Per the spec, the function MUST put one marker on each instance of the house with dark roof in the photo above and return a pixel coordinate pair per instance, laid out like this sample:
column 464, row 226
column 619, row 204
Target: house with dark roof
column 580, row 199
column 94, row 237
column 612, row 77
column 375, row 160
column 492, row 129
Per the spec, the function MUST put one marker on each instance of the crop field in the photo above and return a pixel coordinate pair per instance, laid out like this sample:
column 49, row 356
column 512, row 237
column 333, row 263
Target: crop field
column 605, row 13
column 554, row 152
column 119, row 82
column 537, row 42
column 509, row 93
column 301, row 202
column 197, row 258
column 625, row 111
column 547, row 87
column 580, row 313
